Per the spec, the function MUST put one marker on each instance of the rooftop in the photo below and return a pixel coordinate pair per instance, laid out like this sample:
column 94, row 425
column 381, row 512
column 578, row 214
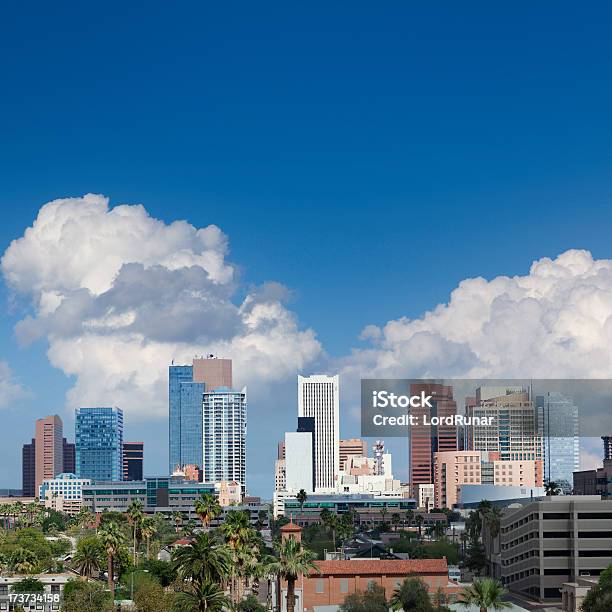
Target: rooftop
column 376, row 567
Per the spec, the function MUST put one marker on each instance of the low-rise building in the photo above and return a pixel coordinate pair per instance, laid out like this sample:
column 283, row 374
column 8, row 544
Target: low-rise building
column 552, row 541
column 594, row 482
column 50, row 598
column 63, row 493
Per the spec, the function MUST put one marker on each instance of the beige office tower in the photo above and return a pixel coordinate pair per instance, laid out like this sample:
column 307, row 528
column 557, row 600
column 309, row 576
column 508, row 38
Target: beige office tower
column 213, row 372
column 49, row 450
column 354, row 447
column 514, row 432
column 318, row 397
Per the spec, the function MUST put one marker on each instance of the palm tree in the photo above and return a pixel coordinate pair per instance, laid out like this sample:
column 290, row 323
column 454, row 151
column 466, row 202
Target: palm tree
column 396, row 520
column 177, row 517
column 23, row 561
column 112, row 538
column 201, row 597
column 486, row 594
column 383, row 513
column 148, row 529
column 409, row 517
column 412, row 594
column 294, row 561
column 135, row 516
column 302, row 496
column 205, row 559
column 207, row 508
column 552, row 488
column 87, row 560
column 419, row 520
column 238, row 533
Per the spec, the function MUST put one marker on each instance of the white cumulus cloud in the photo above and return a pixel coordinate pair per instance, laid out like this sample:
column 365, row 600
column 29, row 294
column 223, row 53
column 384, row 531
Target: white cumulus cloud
column 118, row 295
column 554, row 322
column 11, row 389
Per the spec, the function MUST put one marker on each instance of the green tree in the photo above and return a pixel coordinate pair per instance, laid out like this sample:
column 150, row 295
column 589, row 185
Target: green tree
column 239, row 536
column 149, row 596
column 372, row 600
column 412, row 595
column 177, row 517
column 135, row 514
column 409, row 517
column 201, row 597
column 80, row 596
column 552, row 488
column 476, row 559
column 23, row 561
column 149, row 529
column 292, row 562
column 205, row 559
column 207, row 508
column 419, row 520
column 599, row 598
column 89, row 556
column 396, row 519
column 112, row 539
column 302, row 496
column 28, row 585
column 163, row 571
column 487, row 594
column 250, row 604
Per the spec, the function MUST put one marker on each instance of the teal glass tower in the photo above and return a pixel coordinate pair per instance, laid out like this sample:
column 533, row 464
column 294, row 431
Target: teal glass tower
column 99, row 443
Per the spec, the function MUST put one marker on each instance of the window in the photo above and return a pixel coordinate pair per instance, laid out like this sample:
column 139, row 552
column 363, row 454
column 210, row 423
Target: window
column 320, row 586
column 344, row 585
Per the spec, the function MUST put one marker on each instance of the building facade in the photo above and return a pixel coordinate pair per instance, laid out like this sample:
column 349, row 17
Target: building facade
column 213, row 372
column 69, row 457
column 426, row 440
column 298, row 461
column 63, row 493
column 133, row 460
column 558, row 426
column 224, row 428
column 552, row 541
column 99, row 443
column 607, row 446
column 28, row 469
column 352, row 447
column 48, row 449
column 319, row 397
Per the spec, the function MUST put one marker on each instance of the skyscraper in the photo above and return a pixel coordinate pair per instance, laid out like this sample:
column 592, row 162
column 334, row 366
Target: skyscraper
column 133, row 460
column 353, row 447
column 69, row 457
column 186, row 386
column 514, row 430
column 213, row 372
column 28, row 469
column 99, row 443
column 49, row 449
column 426, row 440
column 607, row 442
column 224, row 421
column 319, row 397
column 558, row 426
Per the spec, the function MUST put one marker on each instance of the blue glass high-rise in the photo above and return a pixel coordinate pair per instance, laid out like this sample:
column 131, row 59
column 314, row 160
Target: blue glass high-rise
column 185, row 417
column 99, row 443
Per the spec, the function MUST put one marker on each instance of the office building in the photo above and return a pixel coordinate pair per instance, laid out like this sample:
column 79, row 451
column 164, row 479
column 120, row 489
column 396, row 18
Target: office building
column 513, row 434
column 424, row 494
column 213, row 372
column 558, row 426
column 99, row 443
column 224, row 427
column 607, row 444
column 63, row 493
column 453, row 470
column 298, row 461
column 133, row 459
column 185, row 417
column 69, row 457
column 280, row 475
column 353, row 447
column 318, row 397
column 594, row 482
column 552, row 541
column 49, row 449
column 426, row 440
column 471, row 495
column 28, row 469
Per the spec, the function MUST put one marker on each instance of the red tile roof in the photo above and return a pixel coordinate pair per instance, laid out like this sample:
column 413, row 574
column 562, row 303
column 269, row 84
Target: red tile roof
column 381, row 567
column 290, row 527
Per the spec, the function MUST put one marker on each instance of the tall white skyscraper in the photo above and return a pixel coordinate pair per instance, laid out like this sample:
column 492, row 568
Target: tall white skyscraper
column 224, row 421
column 319, row 397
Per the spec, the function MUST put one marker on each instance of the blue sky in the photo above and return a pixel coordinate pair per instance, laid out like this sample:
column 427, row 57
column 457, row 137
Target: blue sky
column 367, row 158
